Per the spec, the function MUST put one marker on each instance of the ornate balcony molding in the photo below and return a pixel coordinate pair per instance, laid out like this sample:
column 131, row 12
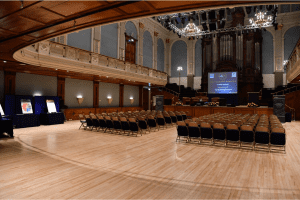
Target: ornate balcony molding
column 59, row 56
column 293, row 64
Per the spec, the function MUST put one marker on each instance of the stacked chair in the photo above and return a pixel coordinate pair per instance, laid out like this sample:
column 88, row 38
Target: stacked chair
column 254, row 131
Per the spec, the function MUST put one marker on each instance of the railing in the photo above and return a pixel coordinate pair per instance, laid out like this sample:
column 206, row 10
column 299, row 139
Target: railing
column 168, row 90
column 288, row 90
column 293, row 64
column 59, row 56
column 292, row 111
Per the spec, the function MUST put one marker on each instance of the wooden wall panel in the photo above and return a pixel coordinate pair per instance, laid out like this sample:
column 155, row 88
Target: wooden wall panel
column 95, row 94
column 9, row 82
column 222, row 110
column 201, row 111
column 61, row 82
column 121, row 96
column 73, row 113
column 292, row 100
column 140, row 96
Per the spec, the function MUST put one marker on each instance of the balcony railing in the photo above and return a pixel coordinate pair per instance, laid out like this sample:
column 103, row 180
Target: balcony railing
column 59, row 56
column 293, row 64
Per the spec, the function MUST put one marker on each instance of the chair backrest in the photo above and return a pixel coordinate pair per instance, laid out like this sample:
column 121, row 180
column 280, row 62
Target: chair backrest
column 261, row 129
column 150, row 117
column 278, row 130
column 81, row 116
column 187, row 121
column 232, row 127
column 205, row 125
column 107, row 117
column 131, row 119
column 218, row 126
column 87, row 116
column 115, row 119
column 100, row 117
column 160, row 116
column 93, row 116
column 193, row 124
column 246, row 128
column 181, row 123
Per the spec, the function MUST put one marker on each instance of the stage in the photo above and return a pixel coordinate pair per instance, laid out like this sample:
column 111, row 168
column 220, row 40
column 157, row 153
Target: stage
column 197, row 111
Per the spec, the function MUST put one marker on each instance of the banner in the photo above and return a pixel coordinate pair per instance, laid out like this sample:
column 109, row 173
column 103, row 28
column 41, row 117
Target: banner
column 26, row 106
column 51, row 106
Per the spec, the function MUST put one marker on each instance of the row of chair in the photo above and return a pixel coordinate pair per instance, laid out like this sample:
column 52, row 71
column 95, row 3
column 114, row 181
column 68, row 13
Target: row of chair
column 133, row 123
column 253, row 131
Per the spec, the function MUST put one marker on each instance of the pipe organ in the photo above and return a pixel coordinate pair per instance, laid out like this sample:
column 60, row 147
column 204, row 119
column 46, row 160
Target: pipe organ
column 234, row 51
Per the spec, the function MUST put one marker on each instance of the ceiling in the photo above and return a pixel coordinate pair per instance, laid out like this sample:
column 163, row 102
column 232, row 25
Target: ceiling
column 25, row 22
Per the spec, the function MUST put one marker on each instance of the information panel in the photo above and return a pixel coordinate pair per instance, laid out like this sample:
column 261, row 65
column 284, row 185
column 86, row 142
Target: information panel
column 26, row 106
column 222, row 83
column 51, row 106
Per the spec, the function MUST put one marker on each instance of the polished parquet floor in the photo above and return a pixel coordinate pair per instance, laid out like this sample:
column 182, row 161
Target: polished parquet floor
column 60, row 161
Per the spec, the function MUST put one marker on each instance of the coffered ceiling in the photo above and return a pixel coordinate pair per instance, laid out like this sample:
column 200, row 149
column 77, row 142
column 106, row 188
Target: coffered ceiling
column 25, row 22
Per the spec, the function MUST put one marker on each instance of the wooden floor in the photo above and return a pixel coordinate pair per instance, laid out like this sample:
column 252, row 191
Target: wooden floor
column 60, row 161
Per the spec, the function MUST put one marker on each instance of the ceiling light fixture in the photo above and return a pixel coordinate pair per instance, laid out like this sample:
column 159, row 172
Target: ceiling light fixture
column 206, row 27
column 4, row 61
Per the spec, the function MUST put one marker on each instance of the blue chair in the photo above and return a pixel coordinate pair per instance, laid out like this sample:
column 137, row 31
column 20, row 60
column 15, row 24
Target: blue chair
column 102, row 122
column 206, row 131
column 194, row 131
column 160, row 121
column 125, row 124
column 143, row 124
column 152, row 122
column 134, row 127
column 89, row 122
column 95, row 121
column 278, row 137
column 262, row 136
column 109, row 124
column 233, row 133
column 219, row 132
column 82, row 121
column 182, row 131
column 117, row 124
column 247, row 135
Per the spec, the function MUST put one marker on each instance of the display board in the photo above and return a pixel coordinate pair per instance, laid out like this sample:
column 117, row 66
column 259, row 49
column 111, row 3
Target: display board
column 26, row 106
column 222, row 83
column 51, row 106
column 1, row 111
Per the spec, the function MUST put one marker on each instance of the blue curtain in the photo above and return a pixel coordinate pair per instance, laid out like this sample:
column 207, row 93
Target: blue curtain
column 40, row 105
column 9, row 105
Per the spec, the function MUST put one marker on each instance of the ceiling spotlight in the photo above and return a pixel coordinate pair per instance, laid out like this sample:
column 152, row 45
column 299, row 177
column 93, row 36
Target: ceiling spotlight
column 21, row 5
column 67, row 70
column 55, row 69
column 4, row 61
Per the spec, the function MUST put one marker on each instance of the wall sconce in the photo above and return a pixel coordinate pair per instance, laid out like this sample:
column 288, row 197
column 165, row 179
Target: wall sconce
column 109, row 99
column 131, row 100
column 80, row 99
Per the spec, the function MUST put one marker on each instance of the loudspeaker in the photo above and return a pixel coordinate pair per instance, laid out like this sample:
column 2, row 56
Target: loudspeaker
column 222, row 102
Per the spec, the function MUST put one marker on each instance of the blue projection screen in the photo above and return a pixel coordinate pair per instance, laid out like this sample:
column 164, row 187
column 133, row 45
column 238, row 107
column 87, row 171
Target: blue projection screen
column 222, row 83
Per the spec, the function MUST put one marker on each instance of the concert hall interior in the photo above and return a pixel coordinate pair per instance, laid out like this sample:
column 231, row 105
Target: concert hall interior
column 149, row 99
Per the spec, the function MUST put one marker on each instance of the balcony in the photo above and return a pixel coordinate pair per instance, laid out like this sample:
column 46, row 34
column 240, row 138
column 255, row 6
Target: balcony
column 293, row 65
column 59, row 56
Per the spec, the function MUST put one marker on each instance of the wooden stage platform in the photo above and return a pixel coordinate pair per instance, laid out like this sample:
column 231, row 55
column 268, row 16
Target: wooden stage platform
column 197, row 111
